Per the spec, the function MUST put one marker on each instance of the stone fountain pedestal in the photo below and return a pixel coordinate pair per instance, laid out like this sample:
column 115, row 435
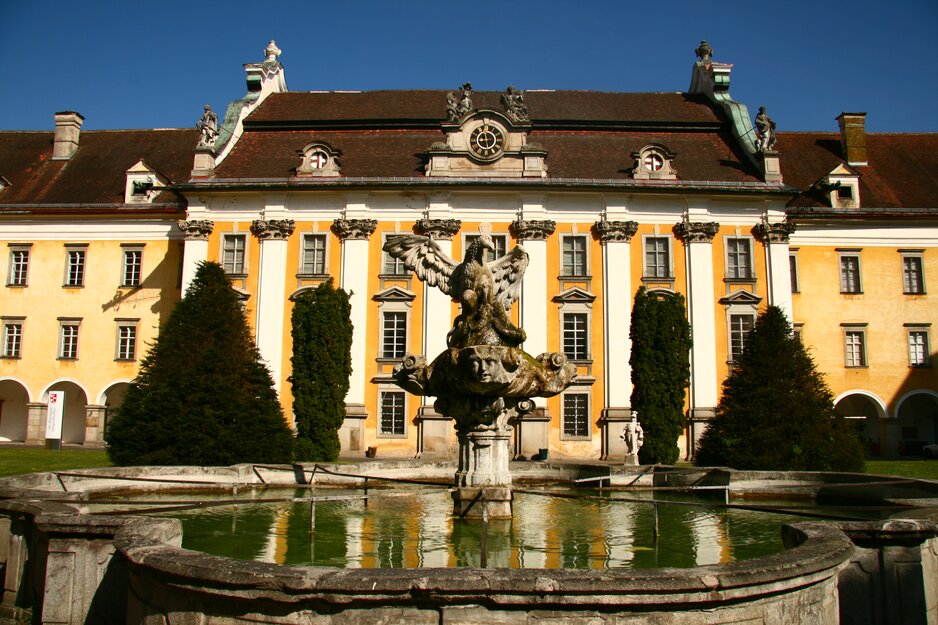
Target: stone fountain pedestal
column 483, row 482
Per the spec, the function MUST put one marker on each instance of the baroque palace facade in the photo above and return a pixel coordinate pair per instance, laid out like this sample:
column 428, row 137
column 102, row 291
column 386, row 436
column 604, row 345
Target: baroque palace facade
column 607, row 192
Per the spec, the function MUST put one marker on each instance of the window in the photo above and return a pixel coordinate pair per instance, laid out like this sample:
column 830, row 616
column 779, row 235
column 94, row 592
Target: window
column 314, row 255
column 19, row 267
column 500, row 241
column 573, row 256
column 233, row 253
column 657, row 257
column 392, row 413
column 12, row 338
column 797, row 332
column 132, row 267
column 918, row 348
column 793, row 270
column 850, row 273
column 739, row 259
column 576, row 415
column 75, row 267
column 394, row 335
column 855, row 347
column 127, row 340
column 68, row 339
column 740, row 326
column 393, row 266
column 575, row 336
column 913, row 280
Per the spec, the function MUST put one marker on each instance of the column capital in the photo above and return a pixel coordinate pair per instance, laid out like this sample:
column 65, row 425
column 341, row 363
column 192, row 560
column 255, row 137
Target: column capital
column 197, row 229
column 774, row 232
column 356, row 229
column 444, row 229
column 278, row 229
column 608, row 231
column 696, row 231
column 532, row 230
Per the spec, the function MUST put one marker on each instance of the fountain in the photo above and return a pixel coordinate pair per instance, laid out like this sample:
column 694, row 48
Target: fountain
column 483, row 381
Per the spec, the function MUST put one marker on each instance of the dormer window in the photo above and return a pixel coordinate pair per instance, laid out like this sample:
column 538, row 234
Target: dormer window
column 143, row 184
column 654, row 162
column 844, row 185
column 318, row 159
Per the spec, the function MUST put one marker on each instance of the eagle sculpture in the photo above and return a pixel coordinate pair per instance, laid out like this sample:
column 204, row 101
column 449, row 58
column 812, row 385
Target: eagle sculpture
column 485, row 291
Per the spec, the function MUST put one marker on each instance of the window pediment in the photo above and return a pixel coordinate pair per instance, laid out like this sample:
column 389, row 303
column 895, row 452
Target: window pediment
column 654, row 162
column 574, row 295
column 318, row 159
column 741, row 297
column 394, row 294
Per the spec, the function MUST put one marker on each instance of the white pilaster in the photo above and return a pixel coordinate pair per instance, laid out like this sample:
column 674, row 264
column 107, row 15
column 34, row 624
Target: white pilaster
column 617, row 312
column 195, row 248
column 438, row 310
column 775, row 238
column 533, row 298
column 271, row 293
column 354, row 279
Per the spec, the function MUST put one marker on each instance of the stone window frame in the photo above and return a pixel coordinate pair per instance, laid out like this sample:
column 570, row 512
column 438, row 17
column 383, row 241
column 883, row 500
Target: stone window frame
column 646, row 275
column 127, row 252
column 18, row 270
column 388, row 389
column 577, row 435
column 125, row 339
column 576, row 301
column 905, row 257
column 314, row 234
column 501, row 239
column 12, row 341
column 222, row 251
column 794, row 270
column 742, row 334
column 76, row 265
column 69, row 340
column 855, row 336
column 750, row 276
column 326, row 165
column 640, row 171
column 922, row 330
column 571, row 236
column 740, row 303
column 399, row 270
column 844, row 271
column 398, row 301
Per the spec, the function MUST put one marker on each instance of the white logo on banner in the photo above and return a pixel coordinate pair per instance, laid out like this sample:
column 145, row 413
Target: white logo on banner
column 54, row 418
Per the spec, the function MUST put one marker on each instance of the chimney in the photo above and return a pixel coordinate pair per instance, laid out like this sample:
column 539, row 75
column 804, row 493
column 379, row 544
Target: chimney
column 853, row 137
column 67, row 130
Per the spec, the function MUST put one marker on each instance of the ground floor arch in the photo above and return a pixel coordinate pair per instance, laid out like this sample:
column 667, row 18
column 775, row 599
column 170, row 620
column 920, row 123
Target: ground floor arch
column 867, row 413
column 14, row 411
column 75, row 412
column 111, row 400
column 917, row 421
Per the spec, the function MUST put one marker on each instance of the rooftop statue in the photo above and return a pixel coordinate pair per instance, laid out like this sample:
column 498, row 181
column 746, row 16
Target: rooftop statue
column 765, row 131
column 513, row 101
column 208, row 127
column 465, row 101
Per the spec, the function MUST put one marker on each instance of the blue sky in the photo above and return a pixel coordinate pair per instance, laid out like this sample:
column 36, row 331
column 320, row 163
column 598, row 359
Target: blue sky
column 132, row 64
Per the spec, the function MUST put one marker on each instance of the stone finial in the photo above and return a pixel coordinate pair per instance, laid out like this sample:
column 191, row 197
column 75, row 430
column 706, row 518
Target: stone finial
column 704, row 52
column 696, row 231
column 208, row 127
column 197, row 229
column 774, row 232
column 615, row 230
column 272, row 52
column 444, row 229
column 277, row 229
column 355, row 229
column 765, row 132
column 532, row 230
column 513, row 101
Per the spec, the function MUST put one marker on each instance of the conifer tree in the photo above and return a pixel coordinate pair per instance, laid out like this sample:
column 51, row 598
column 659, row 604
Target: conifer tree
column 660, row 371
column 777, row 413
column 322, row 364
column 203, row 396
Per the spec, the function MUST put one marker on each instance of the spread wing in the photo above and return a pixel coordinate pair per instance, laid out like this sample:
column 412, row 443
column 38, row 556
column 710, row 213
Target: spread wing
column 423, row 256
column 507, row 272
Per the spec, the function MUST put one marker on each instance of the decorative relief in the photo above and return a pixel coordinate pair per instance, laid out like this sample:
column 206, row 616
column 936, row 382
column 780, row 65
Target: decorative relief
column 513, row 101
column 532, row 230
column 444, row 229
column 696, row 231
column 278, row 229
column 654, row 162
column 355, row 229
column 197, row 229
column 318, row 159
column 615, row 230
column 774, row 233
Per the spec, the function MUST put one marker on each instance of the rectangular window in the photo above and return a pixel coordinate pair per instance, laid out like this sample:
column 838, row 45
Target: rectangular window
column 657, row 257
column 391, row 266
column 126, row 341
column 131, row 270
column 233, row 253
column 19, row 267
column 392, row 413
column 575, row 345
column 739, row 259
column 573, row 256
column 12, row 338
column 918, row 348
column 394, row 341
column 75, row 269
column 501, row 245
column 850, row 274
column 793, row 270
column 740, row 326
column 855, row 348
column 576, row 415
column 314, row 255
column 913, row 280
column 68, row 340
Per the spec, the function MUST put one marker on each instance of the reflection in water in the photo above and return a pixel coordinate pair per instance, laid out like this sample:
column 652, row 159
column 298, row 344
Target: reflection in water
column 415, row 528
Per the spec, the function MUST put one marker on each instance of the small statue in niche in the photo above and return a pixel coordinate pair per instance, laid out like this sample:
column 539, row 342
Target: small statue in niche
column 452, row 107
column 633, row 435
column 513, row 101
column 465, row 101
column 208, row 127
column 765, row 131
column 705, row 52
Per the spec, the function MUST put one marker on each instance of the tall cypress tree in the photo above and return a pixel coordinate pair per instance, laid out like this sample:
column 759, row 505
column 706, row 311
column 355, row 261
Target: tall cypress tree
column 322, row 364
column 777, row 413
column 203, row 396
column 660, row 371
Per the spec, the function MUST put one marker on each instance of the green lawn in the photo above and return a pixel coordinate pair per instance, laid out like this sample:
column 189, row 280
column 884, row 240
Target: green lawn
column 17, row 460
column 927, row 469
